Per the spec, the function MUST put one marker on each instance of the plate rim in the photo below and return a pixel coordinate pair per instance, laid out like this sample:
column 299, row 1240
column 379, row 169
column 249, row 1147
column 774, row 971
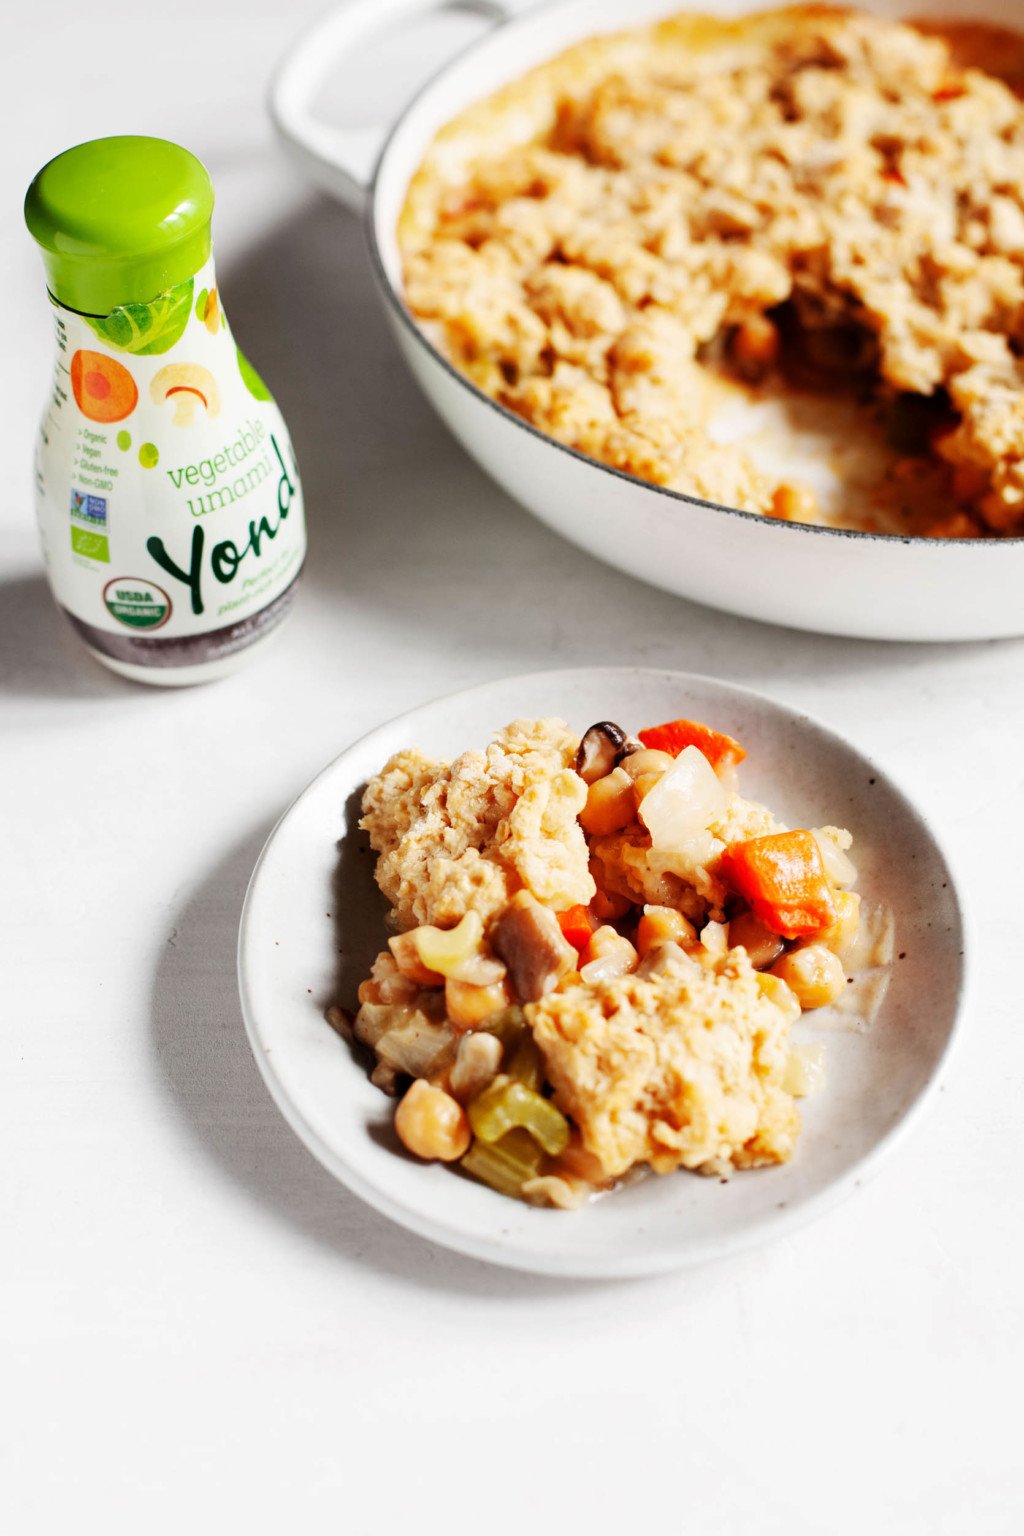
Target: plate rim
column 626, row 1265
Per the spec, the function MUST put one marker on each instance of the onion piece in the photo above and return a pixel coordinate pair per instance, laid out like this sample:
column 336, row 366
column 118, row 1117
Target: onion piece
column 875, row 940
column 375, row 1019
column 608, row 967
column 417, row 1046
column 692, row 853
column 715, row 939
column 839, row 868
column 552, row 1189
column 805, row 1070
column 479, row 971
column 858, row 1004
column 685, row 801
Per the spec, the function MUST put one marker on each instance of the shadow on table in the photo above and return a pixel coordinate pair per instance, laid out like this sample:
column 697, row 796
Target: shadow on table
column 39, row 655
column 206, row 1066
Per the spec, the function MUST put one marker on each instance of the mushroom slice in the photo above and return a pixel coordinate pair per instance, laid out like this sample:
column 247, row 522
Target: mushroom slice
column 529, row 940
column 386, row 1079
column 600, row 750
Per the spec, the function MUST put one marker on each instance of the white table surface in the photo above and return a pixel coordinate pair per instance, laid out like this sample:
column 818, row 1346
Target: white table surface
column 200, row 1330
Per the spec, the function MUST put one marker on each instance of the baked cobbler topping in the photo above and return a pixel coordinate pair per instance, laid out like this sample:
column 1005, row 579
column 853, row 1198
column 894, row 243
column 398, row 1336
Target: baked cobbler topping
column 805, row 200
column 600, row 950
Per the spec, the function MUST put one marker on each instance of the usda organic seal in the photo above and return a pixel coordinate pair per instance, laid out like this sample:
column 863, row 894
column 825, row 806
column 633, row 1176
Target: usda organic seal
column 137, row 603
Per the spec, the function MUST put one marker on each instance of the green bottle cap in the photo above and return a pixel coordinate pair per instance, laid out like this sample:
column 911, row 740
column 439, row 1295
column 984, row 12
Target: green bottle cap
column 119, row 221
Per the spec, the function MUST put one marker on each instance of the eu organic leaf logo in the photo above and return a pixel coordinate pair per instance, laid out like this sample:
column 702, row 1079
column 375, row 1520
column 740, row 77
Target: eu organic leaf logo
column 146, row 329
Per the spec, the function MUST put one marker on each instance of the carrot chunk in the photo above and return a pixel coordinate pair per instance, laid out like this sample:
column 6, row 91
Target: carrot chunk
column 783, row 879
column 719, row 749
column 576, row 926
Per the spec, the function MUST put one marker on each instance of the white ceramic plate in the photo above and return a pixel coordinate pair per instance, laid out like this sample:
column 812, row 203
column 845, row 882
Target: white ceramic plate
column 313, row 921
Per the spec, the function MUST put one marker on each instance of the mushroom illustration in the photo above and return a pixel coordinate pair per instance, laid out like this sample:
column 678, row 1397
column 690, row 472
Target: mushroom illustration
column 189, row 385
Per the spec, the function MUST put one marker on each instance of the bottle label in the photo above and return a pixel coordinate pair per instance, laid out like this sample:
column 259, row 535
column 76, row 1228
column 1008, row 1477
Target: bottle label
column 169, row 500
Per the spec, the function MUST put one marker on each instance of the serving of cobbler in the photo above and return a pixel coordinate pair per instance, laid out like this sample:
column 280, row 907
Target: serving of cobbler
column 599, row 950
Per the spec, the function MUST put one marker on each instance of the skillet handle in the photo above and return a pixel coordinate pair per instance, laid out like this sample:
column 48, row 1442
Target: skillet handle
column 342, row 160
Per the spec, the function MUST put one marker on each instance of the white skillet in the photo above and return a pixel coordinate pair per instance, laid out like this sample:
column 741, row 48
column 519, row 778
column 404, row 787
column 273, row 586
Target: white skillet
column 824, row 579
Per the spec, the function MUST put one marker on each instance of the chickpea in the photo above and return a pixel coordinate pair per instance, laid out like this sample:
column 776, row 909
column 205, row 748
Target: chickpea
column 844, row 930
column 814, row 974
column 610, row 804
column 431, row 1124
column 663, row 925
column 643, row 784
column 467, row 1006
column 650, row 760
column 646, row 768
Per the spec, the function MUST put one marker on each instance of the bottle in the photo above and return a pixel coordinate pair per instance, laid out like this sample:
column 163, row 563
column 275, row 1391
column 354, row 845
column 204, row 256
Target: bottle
column 168, row 498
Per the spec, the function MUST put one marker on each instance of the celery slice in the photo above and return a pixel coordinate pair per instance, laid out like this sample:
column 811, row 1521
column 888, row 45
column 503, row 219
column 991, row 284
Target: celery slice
column 505, row 1165
column 526, row 1064
column 509, row 1025
column 505, row 1104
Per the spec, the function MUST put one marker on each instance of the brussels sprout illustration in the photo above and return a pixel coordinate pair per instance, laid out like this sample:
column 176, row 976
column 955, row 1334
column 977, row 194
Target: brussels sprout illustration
column 146, row 329
column 188, row 386
column 104, row 389
column 251, row 379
